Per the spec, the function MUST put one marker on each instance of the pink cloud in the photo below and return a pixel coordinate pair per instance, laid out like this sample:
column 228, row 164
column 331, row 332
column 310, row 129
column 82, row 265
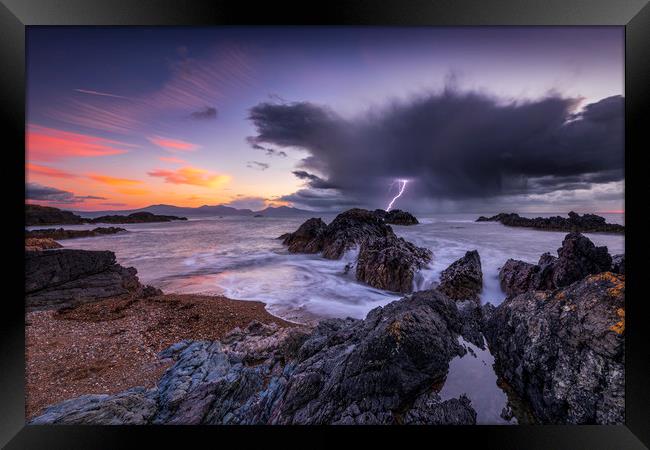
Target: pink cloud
column 172, row 144
column 35, row 169
column 48, row 144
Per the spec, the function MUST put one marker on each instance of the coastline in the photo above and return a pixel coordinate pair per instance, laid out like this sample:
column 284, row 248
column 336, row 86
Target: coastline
column 111, row 345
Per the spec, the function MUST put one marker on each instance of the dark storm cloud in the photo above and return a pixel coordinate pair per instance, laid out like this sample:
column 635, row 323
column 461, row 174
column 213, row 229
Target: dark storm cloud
column 269, row 151
column 452, row 145
column 35, row 191
column 257, row 165
column 209, row 112
column 313, row 181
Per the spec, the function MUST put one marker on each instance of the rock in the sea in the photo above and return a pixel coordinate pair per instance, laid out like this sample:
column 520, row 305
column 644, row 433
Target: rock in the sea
column 308, row 238
column 390, row 263
column 60, row 233
column 577, row 258
column 381, row 370
column 618, row 264
column 46, row 215
column 348, row 230
column 563, row 350
column 36, row 244
column 64, row 277
column 575, row 222
column 399, row 217
column 463, row 279
column 137, row 217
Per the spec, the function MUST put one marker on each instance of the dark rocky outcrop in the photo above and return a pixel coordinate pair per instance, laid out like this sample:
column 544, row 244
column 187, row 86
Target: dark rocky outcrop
column 577, row 258
column 563, row 350
column 60, row 233
column 380, row 370
column 46, row 215
column 587, row 223
column 138, row 217
column 463, row 279
column 390, row 263
column 65, row 277
column 618, row 264
column 349, row 229
column 36, row 244
column 308, row 238
column 399, row 217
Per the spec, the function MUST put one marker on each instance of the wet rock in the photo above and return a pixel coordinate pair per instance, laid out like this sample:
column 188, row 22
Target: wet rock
column 308, row 238
column 563, row 350
column 577, row 258
column 63, row 277
column 575, row 222
column 399, row 217
column 60, row 233
column 133, row 407
column 35, row 244
column 463, row 279
column 391, row 263
column 618, row 264
column 348, row 230
column 374, row 371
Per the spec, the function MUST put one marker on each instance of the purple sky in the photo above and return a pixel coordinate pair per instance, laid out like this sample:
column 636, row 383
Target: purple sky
column 126, row 117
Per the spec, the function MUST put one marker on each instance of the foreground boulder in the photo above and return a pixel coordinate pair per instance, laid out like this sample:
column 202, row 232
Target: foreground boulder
column 391, row 263
column 36, row 244
column 463, row 279
column 563, row 350
column 577, row 258
column 380, row 370
column 60, row 233
column 575, row 222
column 64, row 277
column 348, row 230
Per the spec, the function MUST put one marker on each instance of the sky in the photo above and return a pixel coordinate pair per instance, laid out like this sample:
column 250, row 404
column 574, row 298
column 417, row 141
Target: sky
column 325, row 118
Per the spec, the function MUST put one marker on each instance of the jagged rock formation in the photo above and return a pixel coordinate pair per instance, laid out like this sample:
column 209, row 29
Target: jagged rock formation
column 575, row 222
column 399, row 217
column 463, row 279
column 64, row 277
column 563, row 350
column 60, row 233
column 577, row 258
column 308, row 238
column 390, row 263
column 380, row 370
column 35, row 244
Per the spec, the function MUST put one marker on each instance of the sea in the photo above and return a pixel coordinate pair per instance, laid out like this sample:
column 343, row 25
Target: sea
column 242, row 258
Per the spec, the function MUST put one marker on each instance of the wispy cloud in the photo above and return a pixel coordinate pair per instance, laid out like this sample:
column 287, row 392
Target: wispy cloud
column 209, row 112
column 101, row 94
column 172, row 144
column 171, row 159
column 257, row 165
column 35, row 169
column 49, row 144
column 113, row 181
column 191, row 175
column 49, row 194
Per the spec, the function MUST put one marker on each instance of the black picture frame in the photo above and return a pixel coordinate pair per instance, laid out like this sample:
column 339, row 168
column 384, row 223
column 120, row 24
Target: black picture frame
column 634, row 15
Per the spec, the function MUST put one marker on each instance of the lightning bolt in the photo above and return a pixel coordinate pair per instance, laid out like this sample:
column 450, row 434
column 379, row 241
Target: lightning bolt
column 399, row 194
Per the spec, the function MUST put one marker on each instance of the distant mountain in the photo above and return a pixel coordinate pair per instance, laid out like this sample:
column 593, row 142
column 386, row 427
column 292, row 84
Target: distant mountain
column 204, row 211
